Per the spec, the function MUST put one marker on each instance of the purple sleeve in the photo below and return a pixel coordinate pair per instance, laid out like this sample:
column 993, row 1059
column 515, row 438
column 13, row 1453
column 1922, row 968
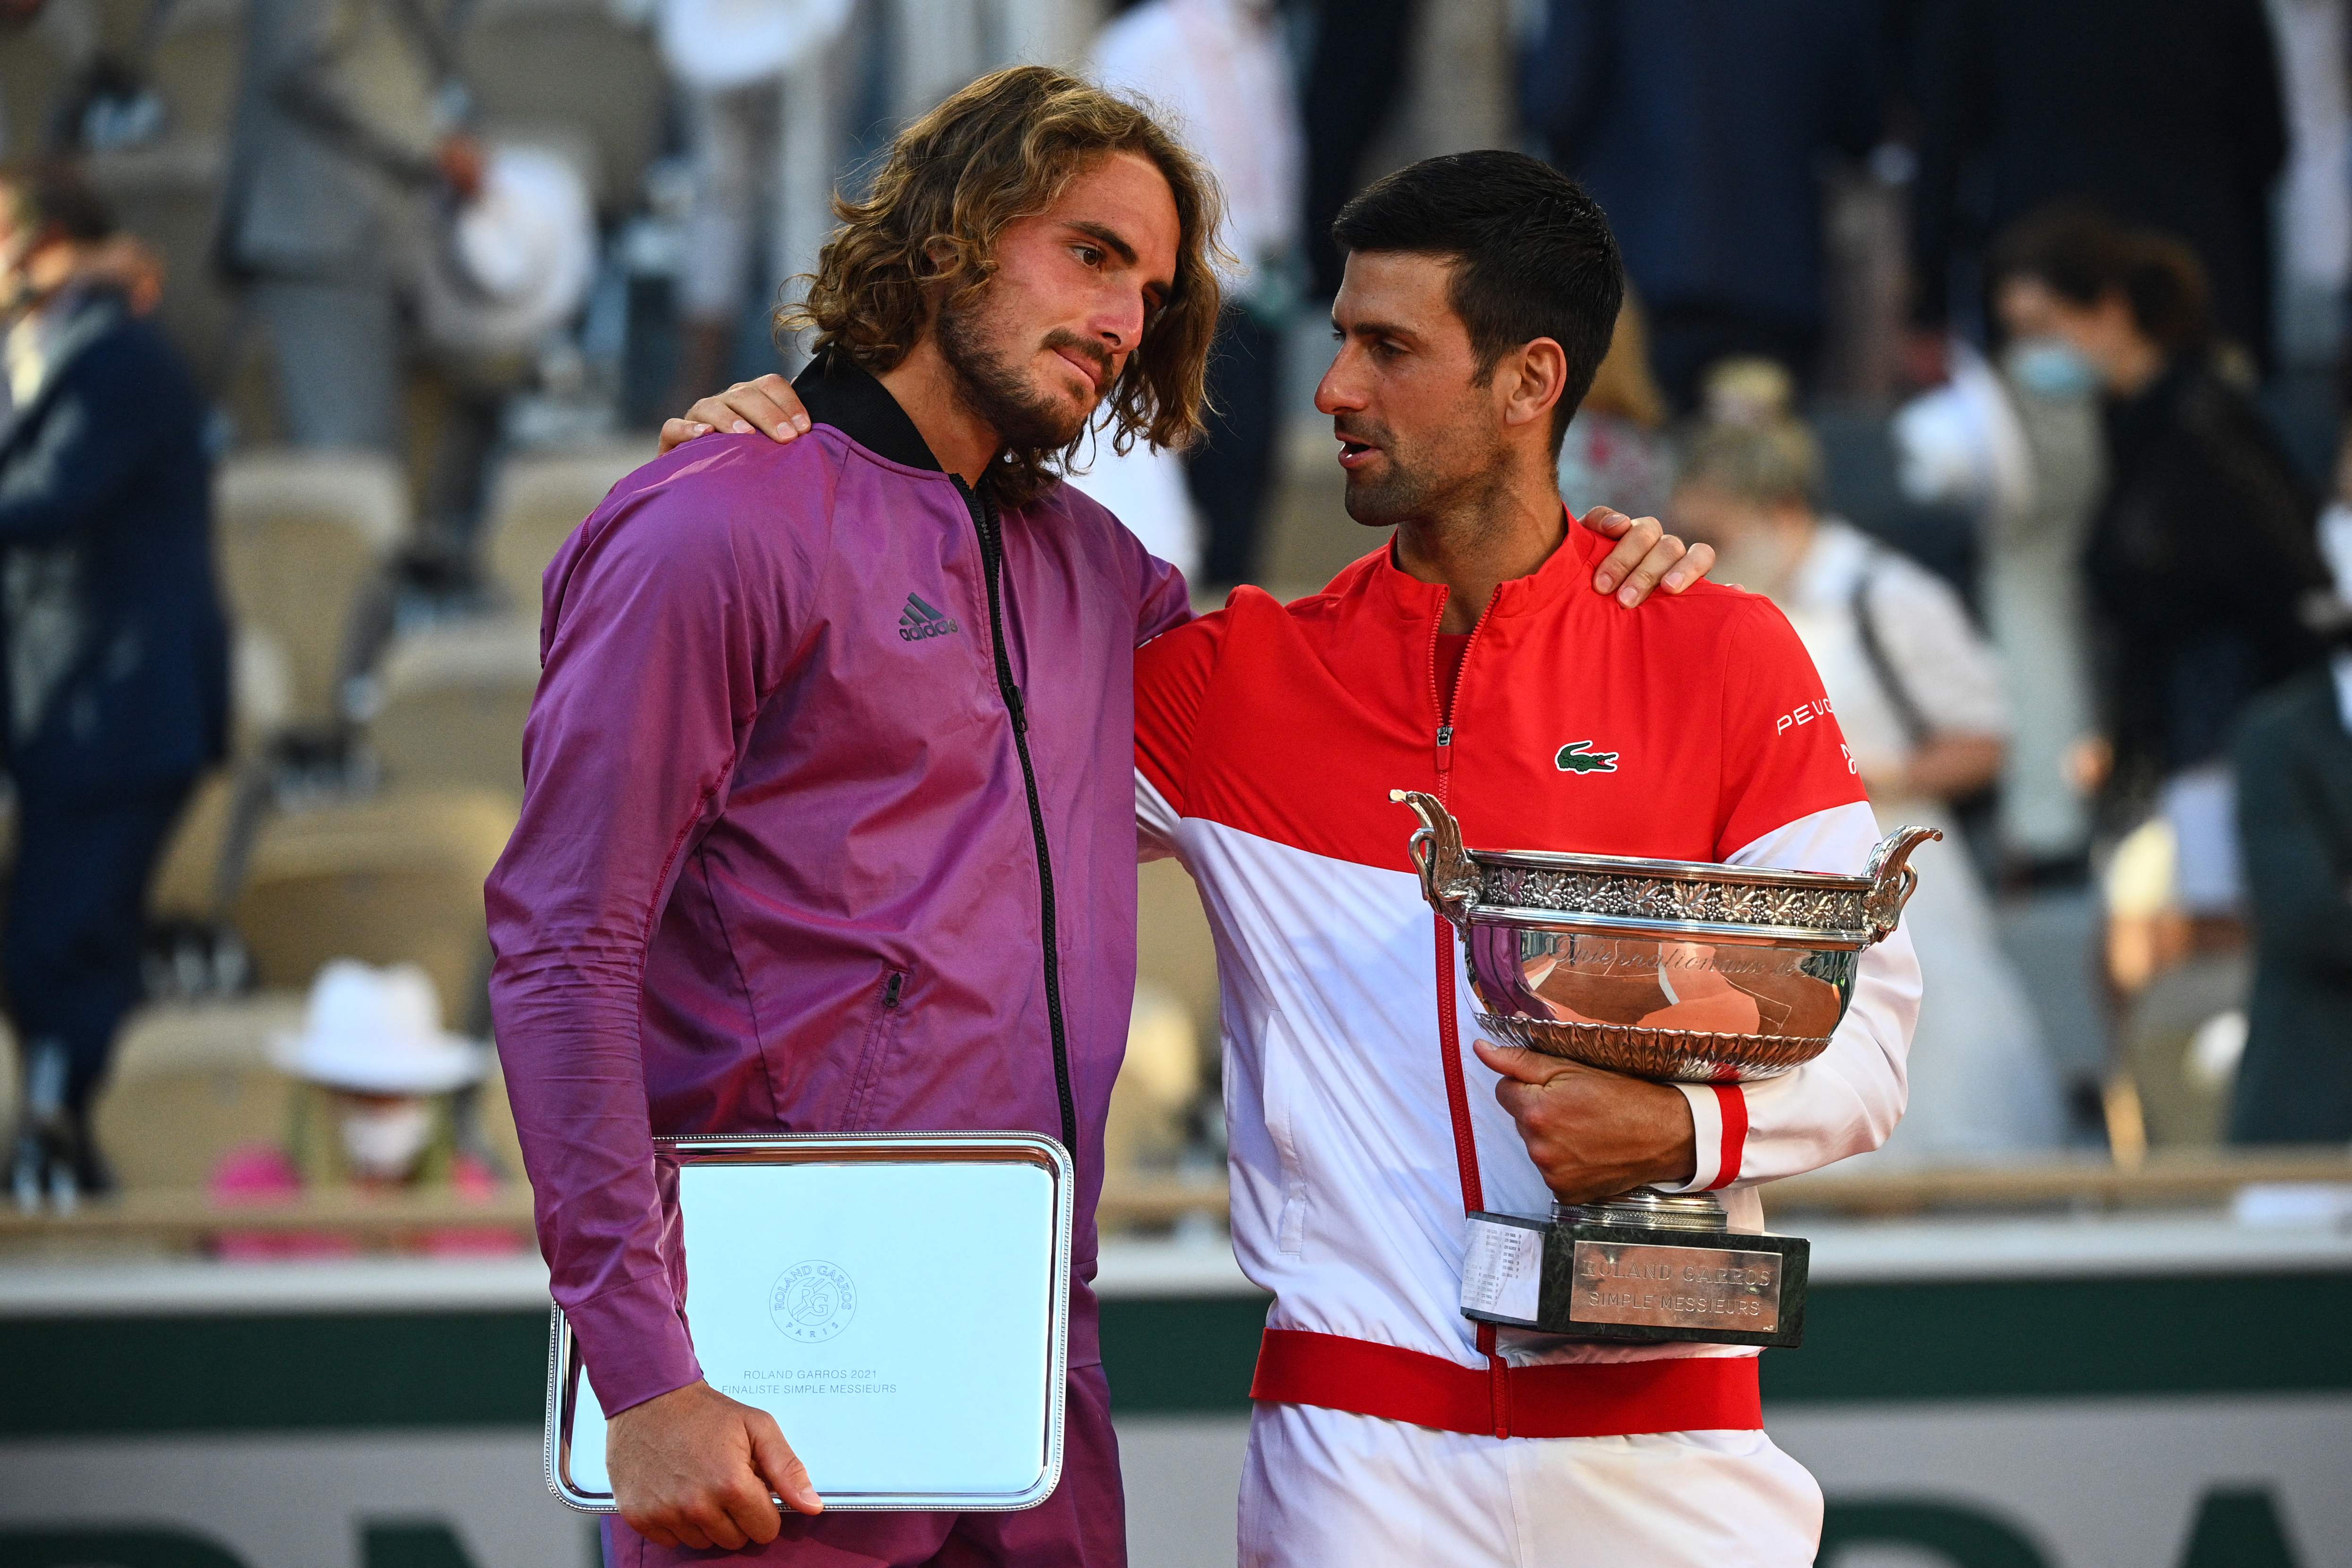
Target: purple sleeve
column 1163, row 601
column 662, row 635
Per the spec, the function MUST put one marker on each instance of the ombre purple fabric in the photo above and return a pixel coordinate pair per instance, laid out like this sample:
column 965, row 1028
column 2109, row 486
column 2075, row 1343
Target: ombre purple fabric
column 775, row 870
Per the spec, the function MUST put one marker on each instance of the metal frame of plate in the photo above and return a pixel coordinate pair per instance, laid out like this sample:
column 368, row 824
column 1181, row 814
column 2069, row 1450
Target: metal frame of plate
column 564, row 1363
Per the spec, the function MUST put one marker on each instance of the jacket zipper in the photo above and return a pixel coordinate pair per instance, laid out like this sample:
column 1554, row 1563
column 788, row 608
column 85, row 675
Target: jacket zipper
column 985, row 520
column 1443, row 703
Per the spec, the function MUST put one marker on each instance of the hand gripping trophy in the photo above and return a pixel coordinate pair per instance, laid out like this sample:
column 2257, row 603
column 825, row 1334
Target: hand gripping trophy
column 1668, row 970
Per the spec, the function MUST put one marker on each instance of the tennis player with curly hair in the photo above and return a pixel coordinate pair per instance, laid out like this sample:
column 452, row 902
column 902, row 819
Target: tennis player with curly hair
column 829, row 819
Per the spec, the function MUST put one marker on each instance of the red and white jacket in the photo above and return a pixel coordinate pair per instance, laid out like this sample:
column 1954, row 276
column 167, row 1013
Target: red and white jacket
column 1267, row 739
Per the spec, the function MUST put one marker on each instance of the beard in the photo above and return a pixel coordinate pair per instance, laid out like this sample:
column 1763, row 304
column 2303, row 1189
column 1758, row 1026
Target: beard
column 993, row 385
column 1412, row 486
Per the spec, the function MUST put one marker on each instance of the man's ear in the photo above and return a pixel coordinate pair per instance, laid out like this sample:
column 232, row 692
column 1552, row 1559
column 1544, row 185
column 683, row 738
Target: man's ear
column 1535, row 375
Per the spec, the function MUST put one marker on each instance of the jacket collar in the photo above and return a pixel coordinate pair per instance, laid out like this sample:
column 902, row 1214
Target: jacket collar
column 1569, row 568
column 839, row 392
column 35, row 350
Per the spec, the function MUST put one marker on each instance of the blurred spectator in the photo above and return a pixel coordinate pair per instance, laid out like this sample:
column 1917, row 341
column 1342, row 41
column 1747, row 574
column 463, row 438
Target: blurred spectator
column 1701, row 127
column 2018, row 442
column 2163, row 112
column 113, row 643
column 1918, row 698
column 2316, row 196
column 763, row 111
column 2294, row 818
column 1616, row 452
column 1217, row 67
column 349, row 116
column 1355, row 78
column 376, row 1112
column 2203, row 547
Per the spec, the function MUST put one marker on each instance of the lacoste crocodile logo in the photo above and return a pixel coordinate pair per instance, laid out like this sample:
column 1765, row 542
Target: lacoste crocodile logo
column 919, row 620
column 1578, row 757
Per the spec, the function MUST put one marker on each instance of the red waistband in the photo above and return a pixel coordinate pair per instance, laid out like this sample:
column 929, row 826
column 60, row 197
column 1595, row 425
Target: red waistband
column 1581, row 1399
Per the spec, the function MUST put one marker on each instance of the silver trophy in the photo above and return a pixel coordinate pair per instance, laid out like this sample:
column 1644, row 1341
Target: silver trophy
column 1675, row 971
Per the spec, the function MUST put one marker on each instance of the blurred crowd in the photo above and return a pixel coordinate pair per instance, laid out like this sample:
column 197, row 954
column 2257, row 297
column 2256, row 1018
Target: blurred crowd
column 1999, row 343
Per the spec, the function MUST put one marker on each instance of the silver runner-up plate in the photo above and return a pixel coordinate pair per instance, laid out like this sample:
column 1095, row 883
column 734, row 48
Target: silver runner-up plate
column 898, row 1302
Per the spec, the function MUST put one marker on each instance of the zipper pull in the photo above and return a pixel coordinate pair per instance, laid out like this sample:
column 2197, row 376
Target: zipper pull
column 1020, row 708
column 1444, row 749
column 890, row 989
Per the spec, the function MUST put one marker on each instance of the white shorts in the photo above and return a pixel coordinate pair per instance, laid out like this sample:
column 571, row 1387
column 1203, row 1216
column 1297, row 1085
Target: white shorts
column 1325, row 1487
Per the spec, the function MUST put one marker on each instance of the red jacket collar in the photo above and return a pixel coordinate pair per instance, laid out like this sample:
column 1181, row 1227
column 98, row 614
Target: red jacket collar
column 1388, row 587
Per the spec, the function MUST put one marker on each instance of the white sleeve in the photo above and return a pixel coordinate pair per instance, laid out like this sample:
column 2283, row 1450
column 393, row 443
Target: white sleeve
column 1848, row 1098
column 1155, row 822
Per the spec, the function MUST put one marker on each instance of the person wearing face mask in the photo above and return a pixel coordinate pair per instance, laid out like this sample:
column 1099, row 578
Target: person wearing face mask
column 1918, row 696
column 373, row 1110
column 113, row 649
column 2203, row 546
column 2014, row 438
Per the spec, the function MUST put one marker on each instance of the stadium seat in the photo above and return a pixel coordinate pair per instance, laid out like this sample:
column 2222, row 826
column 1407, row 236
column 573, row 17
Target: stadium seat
column 191, row 1081
column 302, row 535
column 454, row 700
column 167, row 193
column 38, row 64
column 1173, row 949
column 198, row 58
column 188, row 879
column 385, row 879
column 571, row 63
column 536, row 500
column 1158, row 1079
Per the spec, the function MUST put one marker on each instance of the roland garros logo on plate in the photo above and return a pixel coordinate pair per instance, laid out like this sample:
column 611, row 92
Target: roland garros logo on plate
column 812, row 1301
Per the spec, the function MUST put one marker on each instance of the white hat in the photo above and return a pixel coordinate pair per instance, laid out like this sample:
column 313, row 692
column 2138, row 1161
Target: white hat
column 716, row 45
column 377, row 1031
column 514, row 263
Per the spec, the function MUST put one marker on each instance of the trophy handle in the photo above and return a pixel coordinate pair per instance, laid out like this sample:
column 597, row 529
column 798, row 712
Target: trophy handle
column 1449, row 881
column 1892, row 879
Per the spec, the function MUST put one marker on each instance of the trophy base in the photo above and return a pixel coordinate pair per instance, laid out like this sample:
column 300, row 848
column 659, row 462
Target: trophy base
column 1642, row 1267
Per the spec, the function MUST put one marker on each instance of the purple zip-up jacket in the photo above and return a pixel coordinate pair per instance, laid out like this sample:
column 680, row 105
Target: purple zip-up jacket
column 779, row 867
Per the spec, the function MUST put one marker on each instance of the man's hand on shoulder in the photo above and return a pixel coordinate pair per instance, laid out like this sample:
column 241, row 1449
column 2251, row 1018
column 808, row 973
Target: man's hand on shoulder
column 1593, row 1135
column 768, row 405
column 694, row 1469
column 1647, row 556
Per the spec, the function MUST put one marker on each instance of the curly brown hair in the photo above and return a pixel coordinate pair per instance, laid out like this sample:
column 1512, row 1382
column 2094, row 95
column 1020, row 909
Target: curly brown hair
column 1003, row 149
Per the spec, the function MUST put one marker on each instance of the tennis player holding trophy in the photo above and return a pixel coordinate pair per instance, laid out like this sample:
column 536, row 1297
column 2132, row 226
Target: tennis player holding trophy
column 829, row 799
column 1407, row 1412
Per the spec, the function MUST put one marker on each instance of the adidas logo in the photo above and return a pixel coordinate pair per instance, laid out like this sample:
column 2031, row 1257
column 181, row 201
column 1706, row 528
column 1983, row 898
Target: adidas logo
column 919, row 620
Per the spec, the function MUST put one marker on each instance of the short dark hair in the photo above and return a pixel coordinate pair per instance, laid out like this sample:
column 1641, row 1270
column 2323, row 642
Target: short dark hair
column 1533, row 256
column 2082, row 255
column 52, row 197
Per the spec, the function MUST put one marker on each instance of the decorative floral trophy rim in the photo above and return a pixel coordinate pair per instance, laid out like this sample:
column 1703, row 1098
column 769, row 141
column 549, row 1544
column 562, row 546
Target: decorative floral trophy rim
column 1607, row 895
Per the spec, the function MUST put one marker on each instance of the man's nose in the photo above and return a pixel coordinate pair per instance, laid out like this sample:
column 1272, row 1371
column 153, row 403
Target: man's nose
column 1118, row 324
column 1337, row 392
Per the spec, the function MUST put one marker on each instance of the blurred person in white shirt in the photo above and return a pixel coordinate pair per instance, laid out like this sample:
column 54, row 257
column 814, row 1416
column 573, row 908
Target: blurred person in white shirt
column 763, row 108
column 1218, row 72
column 1918, row 695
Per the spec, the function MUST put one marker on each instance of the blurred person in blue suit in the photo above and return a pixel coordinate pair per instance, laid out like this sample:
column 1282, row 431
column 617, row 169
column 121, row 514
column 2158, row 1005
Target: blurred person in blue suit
column 2294, row 754
column 113, row 649
column 1700, row 129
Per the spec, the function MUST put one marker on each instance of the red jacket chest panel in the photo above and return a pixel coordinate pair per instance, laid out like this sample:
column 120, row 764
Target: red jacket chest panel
column 1571, row 731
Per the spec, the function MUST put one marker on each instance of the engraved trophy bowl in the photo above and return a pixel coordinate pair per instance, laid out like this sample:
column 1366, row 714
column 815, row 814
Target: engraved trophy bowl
column 1674, row 971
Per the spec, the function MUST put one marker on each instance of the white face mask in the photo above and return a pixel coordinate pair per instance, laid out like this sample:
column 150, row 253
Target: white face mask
column 383, row 1142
